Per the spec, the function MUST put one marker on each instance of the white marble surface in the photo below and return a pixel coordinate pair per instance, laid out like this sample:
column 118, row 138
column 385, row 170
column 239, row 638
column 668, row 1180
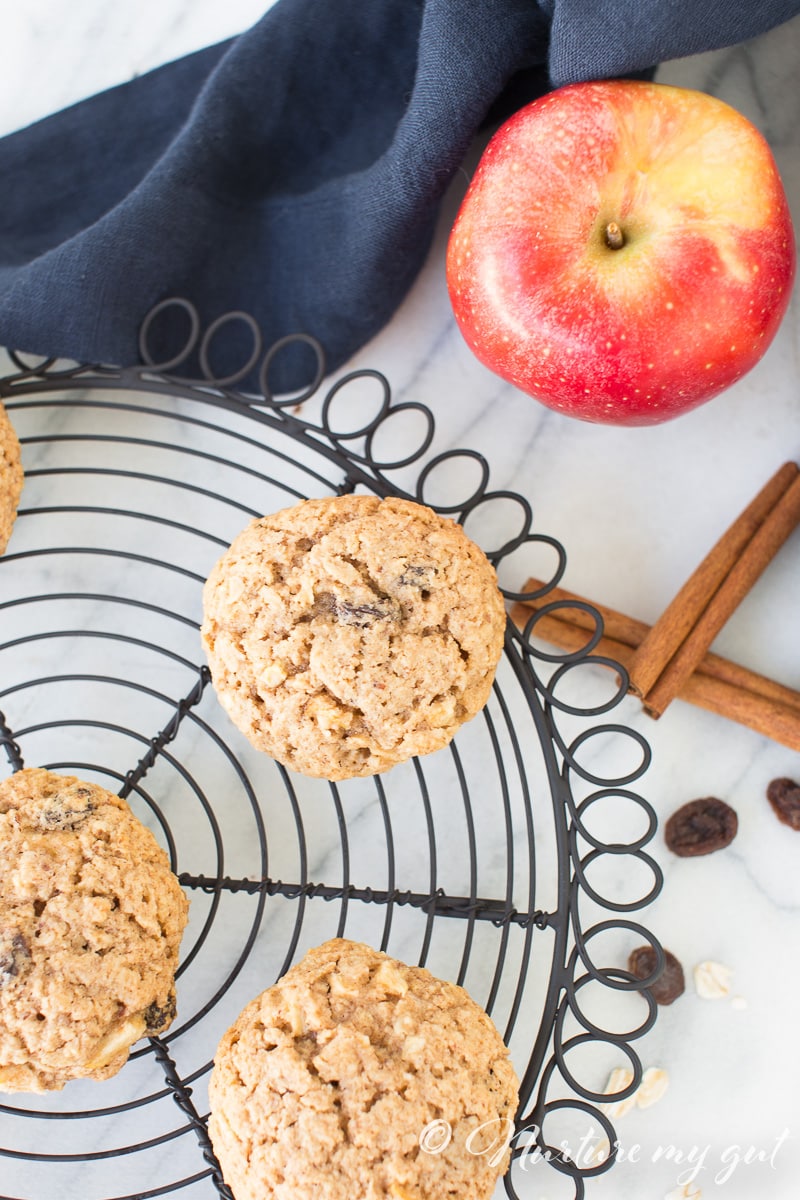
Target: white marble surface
column 636, row 510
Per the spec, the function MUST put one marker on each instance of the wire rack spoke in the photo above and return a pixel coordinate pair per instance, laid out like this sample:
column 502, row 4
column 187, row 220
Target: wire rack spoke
column 13, row 752
column 439, row 903
column 167, row 734
column 182, row 1095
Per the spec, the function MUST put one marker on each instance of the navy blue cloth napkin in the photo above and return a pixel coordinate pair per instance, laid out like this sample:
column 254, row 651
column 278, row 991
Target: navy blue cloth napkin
column 295, row 171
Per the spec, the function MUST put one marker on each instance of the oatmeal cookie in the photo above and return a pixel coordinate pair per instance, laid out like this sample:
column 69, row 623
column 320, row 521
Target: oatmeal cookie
column 350, row 633
column 91, row 918
column 10, row 477
column 338, row 1081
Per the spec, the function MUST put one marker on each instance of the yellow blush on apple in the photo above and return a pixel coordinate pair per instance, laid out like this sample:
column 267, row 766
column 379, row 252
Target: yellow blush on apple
column 624, row 251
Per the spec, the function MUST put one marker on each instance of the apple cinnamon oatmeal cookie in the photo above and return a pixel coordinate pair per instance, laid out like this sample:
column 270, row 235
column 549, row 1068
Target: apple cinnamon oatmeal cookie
column 10, row 477
column 350, row 633
column 358, row 1076
column 91, row 918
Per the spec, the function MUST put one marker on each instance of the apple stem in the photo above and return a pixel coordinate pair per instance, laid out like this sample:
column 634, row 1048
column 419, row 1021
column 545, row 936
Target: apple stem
column 615, row 238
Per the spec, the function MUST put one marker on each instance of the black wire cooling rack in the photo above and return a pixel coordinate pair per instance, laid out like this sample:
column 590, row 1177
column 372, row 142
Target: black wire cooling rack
column 512, row 862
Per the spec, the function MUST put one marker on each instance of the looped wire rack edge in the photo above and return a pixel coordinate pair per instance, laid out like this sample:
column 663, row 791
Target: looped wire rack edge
column 525, row 831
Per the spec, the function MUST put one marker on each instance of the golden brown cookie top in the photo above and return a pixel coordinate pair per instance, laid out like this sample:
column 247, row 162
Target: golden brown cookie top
column 91, row 918
column 347, row 634
column 330, row 1079
column 10, row 477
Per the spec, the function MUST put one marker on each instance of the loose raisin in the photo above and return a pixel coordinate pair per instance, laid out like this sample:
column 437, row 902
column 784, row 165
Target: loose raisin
column 670, row 984
column 784, row 796
column 700, row 827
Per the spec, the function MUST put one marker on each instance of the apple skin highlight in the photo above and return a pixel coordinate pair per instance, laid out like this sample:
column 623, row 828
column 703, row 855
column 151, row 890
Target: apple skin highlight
column 629, row 334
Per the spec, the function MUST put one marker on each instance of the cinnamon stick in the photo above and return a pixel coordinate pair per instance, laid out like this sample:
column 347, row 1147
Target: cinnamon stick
column 680, row 638
column 717, row 685
column 681, row 615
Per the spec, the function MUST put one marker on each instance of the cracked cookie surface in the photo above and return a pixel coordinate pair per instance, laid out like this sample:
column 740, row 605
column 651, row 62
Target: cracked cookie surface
column 347, row 634
column 91, row 918
column 324, row 1085
column 10, row 477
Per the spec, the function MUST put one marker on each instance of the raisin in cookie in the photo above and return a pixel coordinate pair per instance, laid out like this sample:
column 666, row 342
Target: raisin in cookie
column 91, row 918
column 10, row 477
column 329, row 1084
column 347, row 634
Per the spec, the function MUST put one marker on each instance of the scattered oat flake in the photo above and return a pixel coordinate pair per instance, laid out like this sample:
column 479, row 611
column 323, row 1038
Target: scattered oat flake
column 655, row 1082
column 739, row 1003
column 712, row 980
column 597, row 1154
column 619, row 1079
column 689, row 1191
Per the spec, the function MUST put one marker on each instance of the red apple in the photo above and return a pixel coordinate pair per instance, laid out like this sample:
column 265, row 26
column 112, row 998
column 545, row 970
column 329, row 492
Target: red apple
column 624, row 251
